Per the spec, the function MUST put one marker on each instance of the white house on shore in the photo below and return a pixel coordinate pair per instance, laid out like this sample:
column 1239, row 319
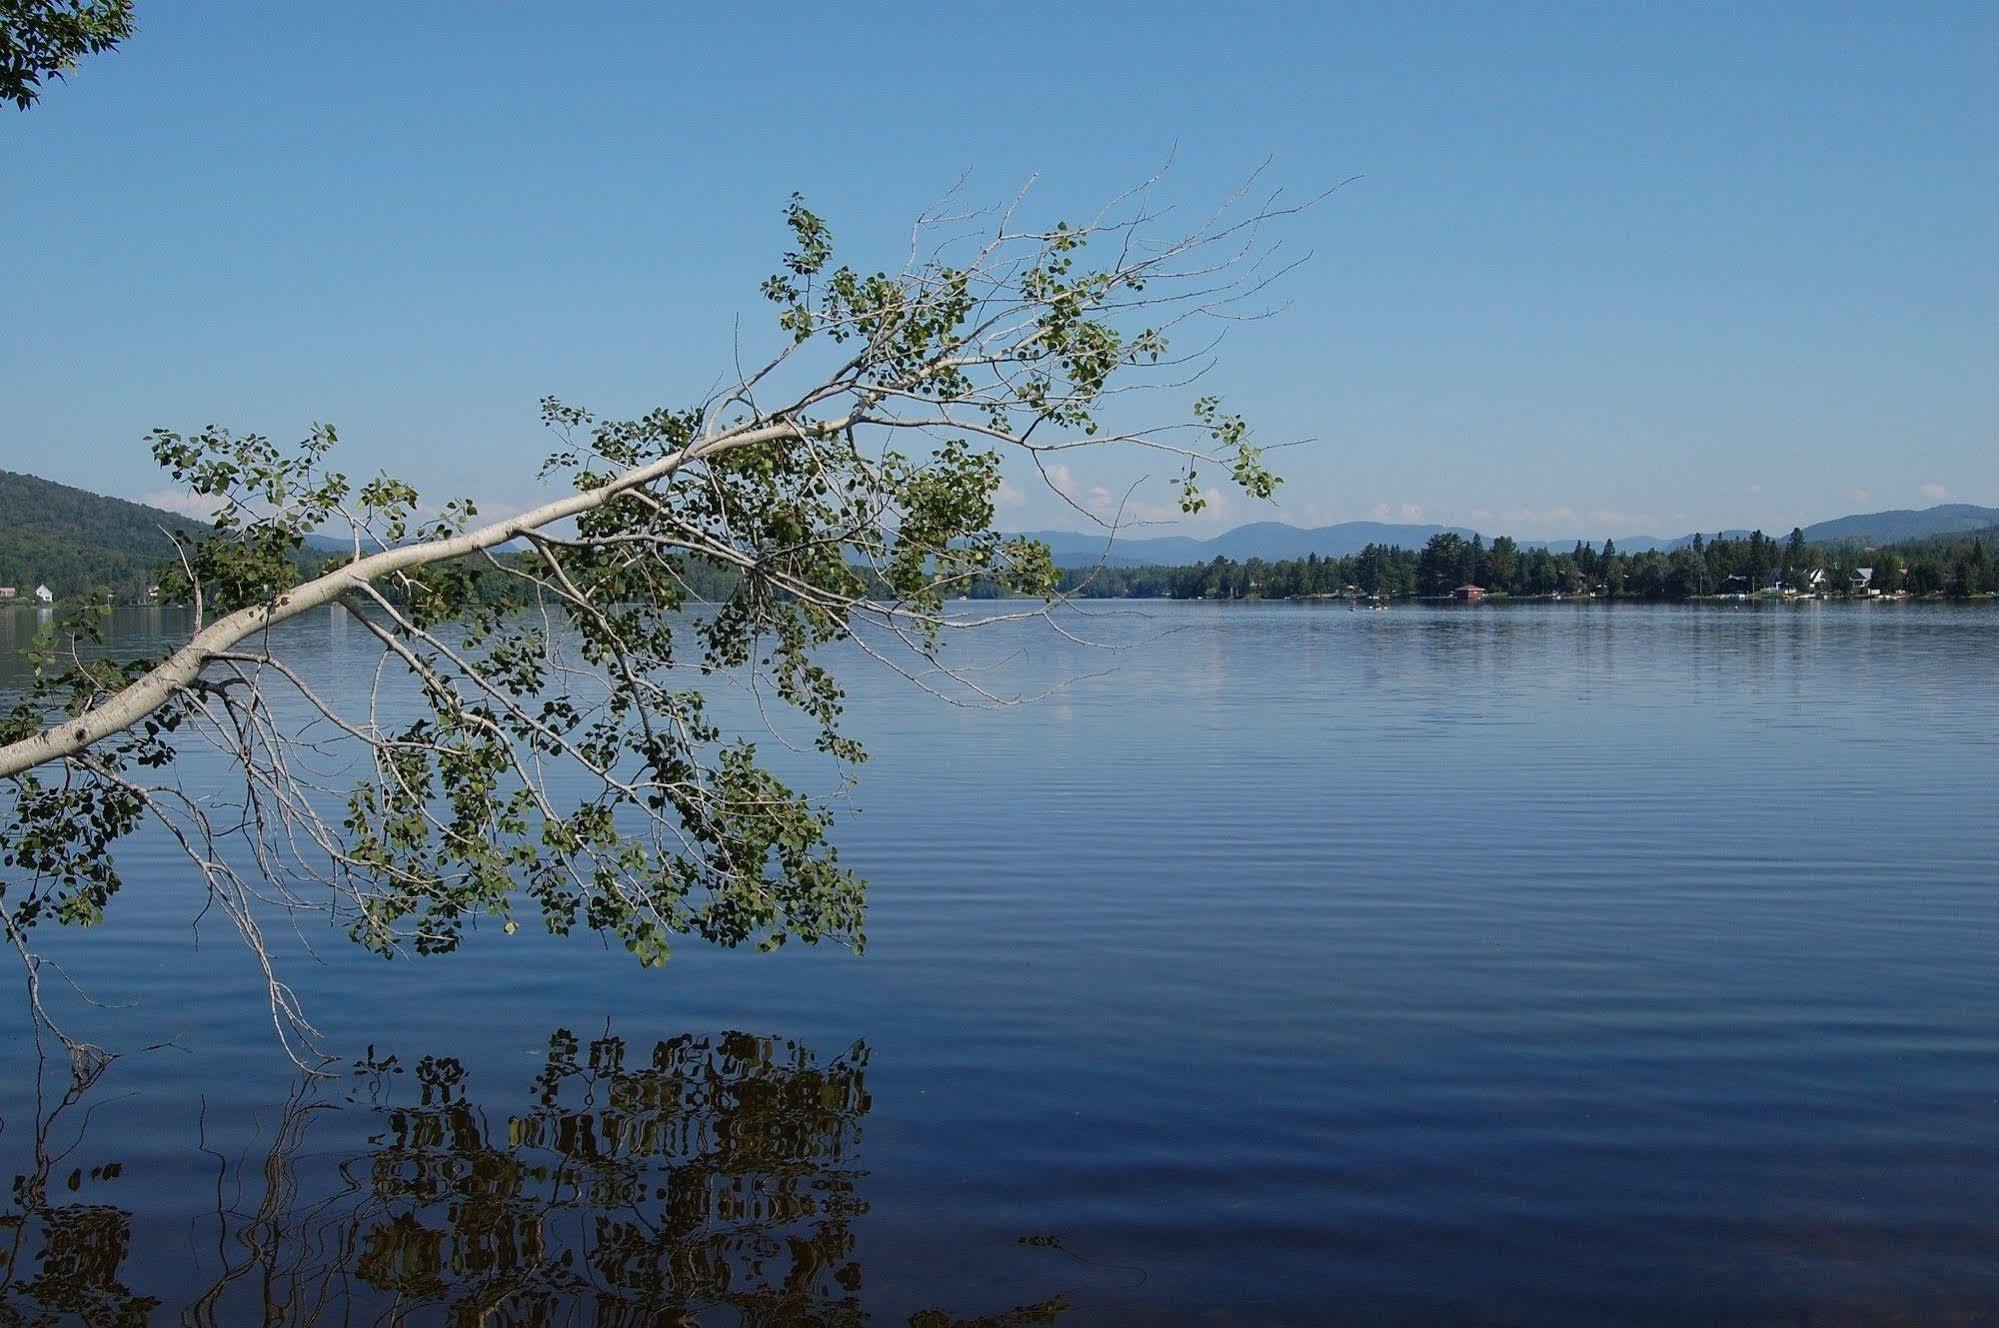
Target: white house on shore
column 45, row 595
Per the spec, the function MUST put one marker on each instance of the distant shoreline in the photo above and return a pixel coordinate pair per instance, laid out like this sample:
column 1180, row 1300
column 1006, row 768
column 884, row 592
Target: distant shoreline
column 1330, row 601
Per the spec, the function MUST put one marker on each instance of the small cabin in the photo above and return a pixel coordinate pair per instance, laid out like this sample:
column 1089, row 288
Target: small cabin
column 1469, row 594
column 45, row 595
column 9, row 592
column 1861, row 582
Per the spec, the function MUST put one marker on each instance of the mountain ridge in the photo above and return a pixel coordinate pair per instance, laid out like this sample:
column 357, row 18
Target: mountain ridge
column 76, row 541
column 1277, row 540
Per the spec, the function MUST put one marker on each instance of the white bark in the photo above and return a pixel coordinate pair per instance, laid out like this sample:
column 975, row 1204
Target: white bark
column 178, row 670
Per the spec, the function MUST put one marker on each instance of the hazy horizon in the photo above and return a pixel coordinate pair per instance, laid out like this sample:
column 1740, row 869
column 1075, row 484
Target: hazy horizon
column 1146, row 529
column 1152, row 529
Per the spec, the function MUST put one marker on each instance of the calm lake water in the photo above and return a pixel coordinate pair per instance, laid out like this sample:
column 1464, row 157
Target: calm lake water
column 1512, row 965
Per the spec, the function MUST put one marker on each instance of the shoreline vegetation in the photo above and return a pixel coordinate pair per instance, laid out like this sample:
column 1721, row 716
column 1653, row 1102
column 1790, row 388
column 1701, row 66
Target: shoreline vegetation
column 88, row 548
column 1448, row 569
column 1755, row 567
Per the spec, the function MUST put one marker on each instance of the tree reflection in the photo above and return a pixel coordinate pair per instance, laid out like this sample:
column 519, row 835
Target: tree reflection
column 716, row 1179
column 60, row 1256
column 719, row 1171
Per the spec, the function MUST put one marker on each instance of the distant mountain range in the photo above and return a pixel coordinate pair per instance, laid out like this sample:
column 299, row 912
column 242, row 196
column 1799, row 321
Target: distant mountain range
column 1904, row 524
column 1274, row 540
column 1269, row 540
column 75, row 541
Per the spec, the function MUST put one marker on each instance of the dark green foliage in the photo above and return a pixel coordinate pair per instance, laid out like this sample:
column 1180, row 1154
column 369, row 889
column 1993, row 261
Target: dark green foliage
column 80, row 543
column 270, row 501
column 1957, row 565
column 43, row 39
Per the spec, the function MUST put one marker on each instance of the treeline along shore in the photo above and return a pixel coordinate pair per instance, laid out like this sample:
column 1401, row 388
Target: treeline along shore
column 1755, row 566
column 84, row 547
column 1750, row 566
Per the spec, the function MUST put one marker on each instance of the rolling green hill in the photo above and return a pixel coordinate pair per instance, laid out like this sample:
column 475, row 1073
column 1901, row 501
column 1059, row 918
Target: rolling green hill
column 81, row 543
column 1943, row 521
column 77, row 542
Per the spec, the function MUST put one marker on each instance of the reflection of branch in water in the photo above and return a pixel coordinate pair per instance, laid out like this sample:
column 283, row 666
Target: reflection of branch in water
column 715, row 1180
column 720, row 1172
column 1026, row 1316
column 78, row 1246
column 1050, row 1241
column 299, row 1278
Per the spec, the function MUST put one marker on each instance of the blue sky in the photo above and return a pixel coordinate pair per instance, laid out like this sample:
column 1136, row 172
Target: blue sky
column 1610, row 269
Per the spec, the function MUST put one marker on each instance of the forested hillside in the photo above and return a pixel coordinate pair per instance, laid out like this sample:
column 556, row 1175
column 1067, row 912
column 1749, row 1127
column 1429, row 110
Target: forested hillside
column 1961, row 566
column 82, row 543
column 1900, row 526
column 77, row 542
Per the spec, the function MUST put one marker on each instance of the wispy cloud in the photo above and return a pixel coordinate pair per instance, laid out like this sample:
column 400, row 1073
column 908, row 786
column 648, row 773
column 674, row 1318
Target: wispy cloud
column 1145, row 505
column 1563, row 520
column 180, row 501
column 1933, row 491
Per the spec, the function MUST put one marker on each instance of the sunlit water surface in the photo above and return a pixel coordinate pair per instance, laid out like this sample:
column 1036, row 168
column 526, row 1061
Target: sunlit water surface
column 1528, row 965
